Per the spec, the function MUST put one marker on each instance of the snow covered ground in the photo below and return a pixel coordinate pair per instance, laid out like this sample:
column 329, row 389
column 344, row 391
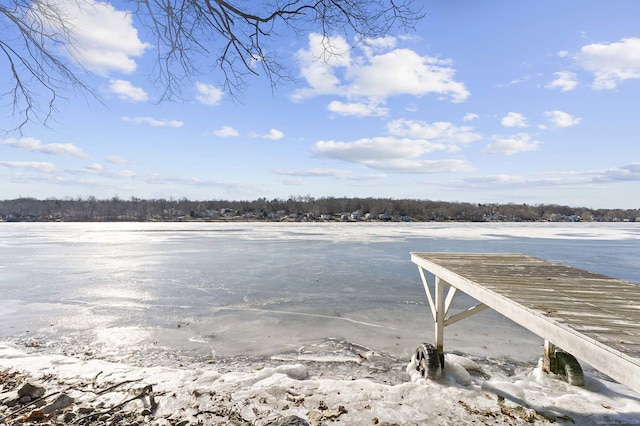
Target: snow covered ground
column 340, row 383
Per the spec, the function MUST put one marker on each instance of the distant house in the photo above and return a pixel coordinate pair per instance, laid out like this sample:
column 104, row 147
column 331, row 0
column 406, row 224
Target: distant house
column 325, row 217
column 384, row 216
column 356, row 215
column 227, row 212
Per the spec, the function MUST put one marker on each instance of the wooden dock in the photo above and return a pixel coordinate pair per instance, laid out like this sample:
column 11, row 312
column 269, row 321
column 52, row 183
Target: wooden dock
column 594, row 317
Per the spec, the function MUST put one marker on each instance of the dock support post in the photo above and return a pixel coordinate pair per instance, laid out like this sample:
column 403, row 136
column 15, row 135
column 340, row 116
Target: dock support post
column 549, row 362
column 440, row 313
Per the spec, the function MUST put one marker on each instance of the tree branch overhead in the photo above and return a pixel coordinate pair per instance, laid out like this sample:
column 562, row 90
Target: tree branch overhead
column 231, row 40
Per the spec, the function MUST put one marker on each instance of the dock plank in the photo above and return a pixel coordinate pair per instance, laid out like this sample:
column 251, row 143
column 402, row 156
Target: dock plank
column 592, row 316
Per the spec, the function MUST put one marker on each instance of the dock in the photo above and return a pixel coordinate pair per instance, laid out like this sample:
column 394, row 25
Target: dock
column 593, row 317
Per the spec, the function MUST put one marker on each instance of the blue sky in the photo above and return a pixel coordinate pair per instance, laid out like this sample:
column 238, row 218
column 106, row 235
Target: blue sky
column 486, row 101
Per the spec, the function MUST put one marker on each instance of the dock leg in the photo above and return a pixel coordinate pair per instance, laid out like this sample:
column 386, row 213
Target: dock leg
column 549, row 363
column 564, row 364
column 440, row 312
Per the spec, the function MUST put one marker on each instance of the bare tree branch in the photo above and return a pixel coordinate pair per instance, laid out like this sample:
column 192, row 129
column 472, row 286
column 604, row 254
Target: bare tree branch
column 190, row 37
column 38, row 75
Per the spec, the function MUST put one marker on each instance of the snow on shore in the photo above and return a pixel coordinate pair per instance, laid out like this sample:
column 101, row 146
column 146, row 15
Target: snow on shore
column 323, row 391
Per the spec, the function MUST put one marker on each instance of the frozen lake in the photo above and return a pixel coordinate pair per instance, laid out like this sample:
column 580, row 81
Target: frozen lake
column 178, row 292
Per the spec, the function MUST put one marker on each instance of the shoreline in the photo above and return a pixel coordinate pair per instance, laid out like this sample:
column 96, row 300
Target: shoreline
column 307, row 392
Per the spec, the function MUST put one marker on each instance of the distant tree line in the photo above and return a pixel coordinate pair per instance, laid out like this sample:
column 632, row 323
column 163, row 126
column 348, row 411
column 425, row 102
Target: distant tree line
column 296, row 208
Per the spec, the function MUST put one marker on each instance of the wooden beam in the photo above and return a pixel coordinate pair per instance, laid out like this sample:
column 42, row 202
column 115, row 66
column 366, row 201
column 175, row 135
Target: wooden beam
column 504, row 282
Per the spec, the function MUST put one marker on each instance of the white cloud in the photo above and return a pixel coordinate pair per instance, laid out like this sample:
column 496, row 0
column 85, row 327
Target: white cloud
column 626, row 173
column 358, row 109
column 226, row 132
column 562, row 119
column 40, row 166
column 511, row 145
column 611, row 63
column 514, row 119
column 208, row 94
column 565, row 81
column 372, row 75
column 100, row 38
column 441, row 131
column 334, row 173
column 318, row 63
column 153, row 122
column 96, row 169
column 95, row 166
column 31, row 144
column 380, row 148
column 403, row 71
column 273, row 135
column 420, row 166
column 114, row 159
column 312, row 172
column 371, row 45
column 125, row 90
column 470, row 117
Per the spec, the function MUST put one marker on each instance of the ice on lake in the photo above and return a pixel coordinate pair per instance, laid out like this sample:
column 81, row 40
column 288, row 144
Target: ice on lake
column 229, row 296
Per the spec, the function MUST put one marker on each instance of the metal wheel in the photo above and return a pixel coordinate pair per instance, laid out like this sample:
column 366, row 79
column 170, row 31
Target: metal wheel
column 428, row 361
column 569, row 368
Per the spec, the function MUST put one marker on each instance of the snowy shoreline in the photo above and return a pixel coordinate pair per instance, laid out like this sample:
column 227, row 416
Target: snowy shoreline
column 319, row 390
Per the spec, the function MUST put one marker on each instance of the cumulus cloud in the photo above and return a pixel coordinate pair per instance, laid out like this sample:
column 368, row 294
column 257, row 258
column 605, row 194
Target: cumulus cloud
column 39, row 166
column 470, row 117
column 441, row 131
column 274, row 135
column 511, row 145
column 405, row 149
column 153, row 122
column 381, row 44
column 31, row 144
column 208, row 94
column 226, row 132
column 126, row 91
column 99, row 37
column 318, row 65
column 611, row 63
column 358, row 109
column 376, row 74
column 562, row 119
column 514, row 119
column 565, row 81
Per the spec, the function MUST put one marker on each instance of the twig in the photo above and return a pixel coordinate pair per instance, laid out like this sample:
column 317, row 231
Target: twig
column 117, row 385
column 145, row 391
